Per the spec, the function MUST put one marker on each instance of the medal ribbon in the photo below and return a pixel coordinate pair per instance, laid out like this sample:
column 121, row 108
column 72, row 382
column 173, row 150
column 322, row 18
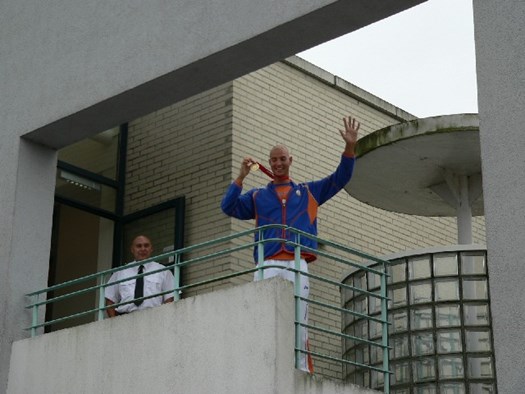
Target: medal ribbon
column 258, row 166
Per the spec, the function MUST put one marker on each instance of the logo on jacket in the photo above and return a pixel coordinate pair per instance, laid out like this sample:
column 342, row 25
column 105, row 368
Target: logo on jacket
column 298, row 192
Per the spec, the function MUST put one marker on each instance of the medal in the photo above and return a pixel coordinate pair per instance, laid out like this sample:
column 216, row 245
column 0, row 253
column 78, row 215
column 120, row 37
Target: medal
column 258, row 166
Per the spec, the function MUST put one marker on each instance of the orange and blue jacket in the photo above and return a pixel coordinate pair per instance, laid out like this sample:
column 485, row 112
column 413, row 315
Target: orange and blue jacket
column 298, row 210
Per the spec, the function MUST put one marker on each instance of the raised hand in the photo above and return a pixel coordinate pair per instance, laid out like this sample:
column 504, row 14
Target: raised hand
column 349, row 134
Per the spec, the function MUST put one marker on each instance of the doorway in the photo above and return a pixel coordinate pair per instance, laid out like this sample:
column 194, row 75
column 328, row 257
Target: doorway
column 82, row 244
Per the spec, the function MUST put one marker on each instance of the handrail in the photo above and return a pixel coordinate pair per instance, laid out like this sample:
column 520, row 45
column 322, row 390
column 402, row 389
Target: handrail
column 294, row 240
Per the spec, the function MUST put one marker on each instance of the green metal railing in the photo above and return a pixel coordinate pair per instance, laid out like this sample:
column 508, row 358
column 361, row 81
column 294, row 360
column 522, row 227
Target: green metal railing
column 40, row 299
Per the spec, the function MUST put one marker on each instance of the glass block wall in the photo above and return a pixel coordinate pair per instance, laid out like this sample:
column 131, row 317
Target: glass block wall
column 440, row 333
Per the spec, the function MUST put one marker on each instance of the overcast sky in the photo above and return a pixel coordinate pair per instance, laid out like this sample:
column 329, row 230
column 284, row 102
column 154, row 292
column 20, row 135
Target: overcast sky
column 421, row 60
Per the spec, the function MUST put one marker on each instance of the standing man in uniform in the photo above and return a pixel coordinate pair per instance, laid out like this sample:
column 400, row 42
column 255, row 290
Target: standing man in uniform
column 283, row 201
column 127, row 291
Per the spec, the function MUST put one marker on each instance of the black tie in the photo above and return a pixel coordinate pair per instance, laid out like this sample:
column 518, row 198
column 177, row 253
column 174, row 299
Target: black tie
column 139, row 286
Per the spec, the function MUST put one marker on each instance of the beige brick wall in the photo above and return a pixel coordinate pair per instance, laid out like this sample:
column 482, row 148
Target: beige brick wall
column 194, row 148
column 185, row 150
column 280, row 104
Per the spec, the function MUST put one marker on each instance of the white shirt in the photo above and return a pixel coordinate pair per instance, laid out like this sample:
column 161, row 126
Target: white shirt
column 154, row 283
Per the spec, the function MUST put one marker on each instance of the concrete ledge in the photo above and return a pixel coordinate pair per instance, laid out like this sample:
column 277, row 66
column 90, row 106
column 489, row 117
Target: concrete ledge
column 237, row 340
column 223, row 342
column 306, row 384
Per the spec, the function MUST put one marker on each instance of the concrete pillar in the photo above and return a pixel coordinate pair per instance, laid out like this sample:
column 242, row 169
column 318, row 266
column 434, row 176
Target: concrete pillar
column 500, row 57
column 26, row 200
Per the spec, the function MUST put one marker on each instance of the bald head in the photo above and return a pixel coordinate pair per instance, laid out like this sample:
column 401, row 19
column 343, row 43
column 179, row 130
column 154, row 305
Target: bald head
column 281, row 148
column 280, row 162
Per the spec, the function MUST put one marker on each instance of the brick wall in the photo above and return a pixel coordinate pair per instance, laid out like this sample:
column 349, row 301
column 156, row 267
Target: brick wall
column 185, row 150
column 194, row 148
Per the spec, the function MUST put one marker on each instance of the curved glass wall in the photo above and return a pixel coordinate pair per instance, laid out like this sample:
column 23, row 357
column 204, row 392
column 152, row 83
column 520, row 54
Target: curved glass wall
column 440, row 333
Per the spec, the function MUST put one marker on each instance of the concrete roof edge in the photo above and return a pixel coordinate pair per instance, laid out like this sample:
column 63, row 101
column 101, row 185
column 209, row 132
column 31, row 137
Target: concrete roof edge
column 348, row 88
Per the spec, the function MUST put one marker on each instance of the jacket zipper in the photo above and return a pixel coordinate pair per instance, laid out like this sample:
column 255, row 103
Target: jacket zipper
column 283, row 215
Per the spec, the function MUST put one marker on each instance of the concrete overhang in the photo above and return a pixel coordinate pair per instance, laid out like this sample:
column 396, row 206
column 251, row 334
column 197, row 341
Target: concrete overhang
column 114, row 100
column 415, row 167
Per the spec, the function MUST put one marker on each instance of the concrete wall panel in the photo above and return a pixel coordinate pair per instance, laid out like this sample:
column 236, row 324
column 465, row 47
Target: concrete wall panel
column 500, row 54
column 24, row 253
column 197, row 345
column 73, row 68
column 232, row 341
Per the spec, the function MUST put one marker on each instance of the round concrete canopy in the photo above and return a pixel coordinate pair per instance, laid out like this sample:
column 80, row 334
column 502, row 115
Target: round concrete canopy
column 401, row 168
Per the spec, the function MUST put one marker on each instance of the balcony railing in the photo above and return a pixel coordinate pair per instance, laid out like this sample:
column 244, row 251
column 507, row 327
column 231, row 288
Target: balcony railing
column 222, row 248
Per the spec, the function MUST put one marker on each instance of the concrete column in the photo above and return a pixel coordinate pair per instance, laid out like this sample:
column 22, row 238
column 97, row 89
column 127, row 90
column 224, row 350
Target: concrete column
column 500, row 57
column 464, row 211
column 26, row 197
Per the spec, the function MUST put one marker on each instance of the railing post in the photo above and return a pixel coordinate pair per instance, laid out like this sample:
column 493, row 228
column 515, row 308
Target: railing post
column 176, row 277
column 384, row 336
column 101, row 298
column 35, row 316
column 297, row 294
column 260, row 255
